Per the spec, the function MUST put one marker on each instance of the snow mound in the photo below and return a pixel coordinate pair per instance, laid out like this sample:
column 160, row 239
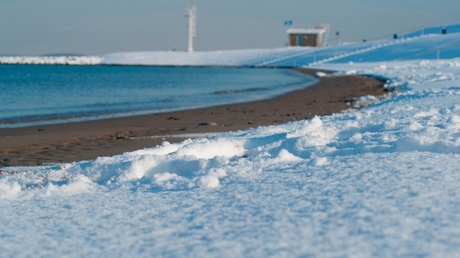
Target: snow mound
column 423, row 119
column 378, row 181
column 364, row 183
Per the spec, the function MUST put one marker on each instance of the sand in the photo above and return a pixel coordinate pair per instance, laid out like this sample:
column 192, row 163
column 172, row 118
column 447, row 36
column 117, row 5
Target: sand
column 62, row 143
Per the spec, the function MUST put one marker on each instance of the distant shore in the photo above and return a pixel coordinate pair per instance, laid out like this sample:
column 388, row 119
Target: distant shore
column 61, row 143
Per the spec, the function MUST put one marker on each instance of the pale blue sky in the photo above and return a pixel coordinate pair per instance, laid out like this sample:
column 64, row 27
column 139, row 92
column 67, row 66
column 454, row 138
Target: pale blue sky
column 34, row 27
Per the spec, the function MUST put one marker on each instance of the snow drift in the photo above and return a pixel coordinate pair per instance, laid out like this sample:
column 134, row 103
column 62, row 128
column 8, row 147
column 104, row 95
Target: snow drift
column 378, row 181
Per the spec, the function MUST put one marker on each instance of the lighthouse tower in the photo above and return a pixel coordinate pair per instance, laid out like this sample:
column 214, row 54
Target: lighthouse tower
column 191, row 26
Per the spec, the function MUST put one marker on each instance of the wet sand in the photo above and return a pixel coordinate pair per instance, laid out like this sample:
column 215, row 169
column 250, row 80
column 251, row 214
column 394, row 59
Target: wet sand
column 48, row 144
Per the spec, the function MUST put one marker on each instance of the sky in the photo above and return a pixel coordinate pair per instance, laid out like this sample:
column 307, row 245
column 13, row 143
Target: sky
column 97, row 27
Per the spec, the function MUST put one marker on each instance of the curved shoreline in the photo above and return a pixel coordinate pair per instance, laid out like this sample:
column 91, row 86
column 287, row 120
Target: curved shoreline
column 260, row 91
column 60, row 143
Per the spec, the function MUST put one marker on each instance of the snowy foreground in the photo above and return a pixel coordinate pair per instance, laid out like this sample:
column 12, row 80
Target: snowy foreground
column 380, row 181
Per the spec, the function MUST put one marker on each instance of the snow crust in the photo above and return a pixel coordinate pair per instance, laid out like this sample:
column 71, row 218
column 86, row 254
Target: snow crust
column 378, row 181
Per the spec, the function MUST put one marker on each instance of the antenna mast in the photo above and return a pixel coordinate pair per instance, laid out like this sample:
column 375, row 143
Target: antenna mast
column 191, row 8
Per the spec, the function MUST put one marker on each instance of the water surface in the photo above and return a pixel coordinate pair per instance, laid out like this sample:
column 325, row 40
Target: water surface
column 34, row 94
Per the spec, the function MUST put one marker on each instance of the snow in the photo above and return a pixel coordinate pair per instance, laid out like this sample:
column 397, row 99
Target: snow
column 428, row 46
column 305, row 31
column 205, row 58
column 378, row 181
column 51, row 60
column 427, row 43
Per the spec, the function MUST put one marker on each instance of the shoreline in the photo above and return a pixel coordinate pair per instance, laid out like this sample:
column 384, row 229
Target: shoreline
column 67, row 118
column 69, row 142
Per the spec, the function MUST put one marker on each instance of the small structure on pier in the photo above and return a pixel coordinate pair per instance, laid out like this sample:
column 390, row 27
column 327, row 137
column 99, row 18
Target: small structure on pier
column 305, row 37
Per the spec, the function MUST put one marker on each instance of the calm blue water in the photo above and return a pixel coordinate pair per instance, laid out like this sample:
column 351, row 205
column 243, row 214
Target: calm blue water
column 51, row 94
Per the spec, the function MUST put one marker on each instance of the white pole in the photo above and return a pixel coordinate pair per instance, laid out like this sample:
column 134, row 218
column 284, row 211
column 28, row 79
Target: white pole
column 328, row 29
column 191, row 26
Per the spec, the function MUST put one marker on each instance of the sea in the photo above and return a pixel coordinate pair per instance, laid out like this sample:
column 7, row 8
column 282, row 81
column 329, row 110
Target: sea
column 49, row 94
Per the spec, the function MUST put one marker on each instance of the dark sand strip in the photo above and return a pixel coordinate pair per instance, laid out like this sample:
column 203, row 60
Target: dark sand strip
column 70, row 142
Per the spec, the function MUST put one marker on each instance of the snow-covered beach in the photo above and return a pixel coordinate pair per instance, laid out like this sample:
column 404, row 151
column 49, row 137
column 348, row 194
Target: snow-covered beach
column 378, row 181
column 26, row 144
